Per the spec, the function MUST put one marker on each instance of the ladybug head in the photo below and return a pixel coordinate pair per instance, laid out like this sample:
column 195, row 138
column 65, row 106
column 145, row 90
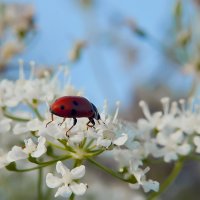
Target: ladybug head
column 58, row 109
column 96, row 113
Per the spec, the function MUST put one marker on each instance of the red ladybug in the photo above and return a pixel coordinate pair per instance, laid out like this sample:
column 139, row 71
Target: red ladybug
column 74, row 107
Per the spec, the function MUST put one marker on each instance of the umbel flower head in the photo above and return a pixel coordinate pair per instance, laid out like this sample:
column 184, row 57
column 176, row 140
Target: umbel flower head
column 168, row 135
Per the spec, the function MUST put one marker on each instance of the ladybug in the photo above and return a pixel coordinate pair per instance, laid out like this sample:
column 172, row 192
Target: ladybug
column 74, row 107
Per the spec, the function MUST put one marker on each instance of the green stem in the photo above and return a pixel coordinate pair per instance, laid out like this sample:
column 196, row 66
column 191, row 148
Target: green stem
column 35, row 110
column 89, row 144
column 72, row 197
column 15, row 118
column 169, row 180
column 39, row 185
column 43, row 164
column 56, row 146
column 109, row 171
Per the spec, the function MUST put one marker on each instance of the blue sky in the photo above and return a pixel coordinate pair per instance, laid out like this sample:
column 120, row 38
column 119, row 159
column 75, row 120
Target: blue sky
column 99, row 73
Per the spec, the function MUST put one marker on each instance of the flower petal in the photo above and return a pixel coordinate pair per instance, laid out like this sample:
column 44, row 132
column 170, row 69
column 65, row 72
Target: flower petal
column 103, row 142
column 53, row 181
column 41, row 148
column 34, row 125
column 62, row 169
column 78, row 172
column 16, row 154
column 20, row 128
column 121, row 140
column 150, row 185
column 5, row 125
column 78, row 188
column 63, row 191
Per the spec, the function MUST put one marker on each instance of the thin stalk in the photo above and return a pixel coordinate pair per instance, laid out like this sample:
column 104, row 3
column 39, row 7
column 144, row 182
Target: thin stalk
column 72, row 197
column 44, row 164
column 35, row 110
column 104, row 168
column 39, row 185
column 89, row 144
column 56, row 146
column 169, row 180
column 15, row 118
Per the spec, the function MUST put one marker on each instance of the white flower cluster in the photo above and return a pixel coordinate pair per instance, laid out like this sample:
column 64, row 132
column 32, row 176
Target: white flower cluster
column 29, row 126
column 172, row 133
column 16, row 21
column 166, row 135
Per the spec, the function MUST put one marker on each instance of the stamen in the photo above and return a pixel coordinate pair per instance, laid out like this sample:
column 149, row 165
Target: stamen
column 165, row 103
column 117, row 111
column 174, row 108
column 183, row 106
column 145, row 109
column 21, row 69
column 32, row 66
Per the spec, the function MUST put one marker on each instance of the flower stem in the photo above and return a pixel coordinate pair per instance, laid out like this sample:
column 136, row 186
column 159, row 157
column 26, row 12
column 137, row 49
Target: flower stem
column 35, row 110
column 169, row 180
column 40, row 184
column 109, row 171
column 15, row 118
column 44, row 164
column 72, row 197
column 56, row 146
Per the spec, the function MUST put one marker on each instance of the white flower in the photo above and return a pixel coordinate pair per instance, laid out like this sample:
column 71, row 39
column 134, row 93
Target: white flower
column 172, row 145
column 26, row 127
column 3, row 159
column 19, row 153
column 197, row 143
column 53, row 130
column 5, row 125
column 107, row 138
column 66, row 183
column 147, row 185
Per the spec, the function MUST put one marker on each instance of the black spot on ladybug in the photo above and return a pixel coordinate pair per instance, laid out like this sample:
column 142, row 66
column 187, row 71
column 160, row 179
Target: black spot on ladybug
column 62, row 107
column 73, row 112
column 75, row 103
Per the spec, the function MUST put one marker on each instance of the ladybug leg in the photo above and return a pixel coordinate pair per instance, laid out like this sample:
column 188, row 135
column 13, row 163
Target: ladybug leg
column 51, row 120
column 60, row 124
column 74, row 123
column 91, row 120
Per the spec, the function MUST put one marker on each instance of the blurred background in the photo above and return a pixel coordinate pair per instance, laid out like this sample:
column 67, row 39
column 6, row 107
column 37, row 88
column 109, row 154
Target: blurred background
column 130, row 51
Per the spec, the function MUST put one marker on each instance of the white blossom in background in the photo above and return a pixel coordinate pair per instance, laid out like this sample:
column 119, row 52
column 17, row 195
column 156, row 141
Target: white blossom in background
column 16, row 22
column 35, row 150
column 147, row 185
column 67, row 182
column 197, row 143
column 167, row 134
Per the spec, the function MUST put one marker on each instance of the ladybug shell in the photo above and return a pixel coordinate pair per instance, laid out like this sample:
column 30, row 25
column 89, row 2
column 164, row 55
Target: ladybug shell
column 72, row 107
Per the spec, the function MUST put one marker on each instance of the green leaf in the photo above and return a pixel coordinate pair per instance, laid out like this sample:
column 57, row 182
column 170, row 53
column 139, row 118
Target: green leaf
column 12, row 166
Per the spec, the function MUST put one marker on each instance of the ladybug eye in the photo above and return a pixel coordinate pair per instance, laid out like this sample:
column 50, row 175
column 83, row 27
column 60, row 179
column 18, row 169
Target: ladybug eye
column 62, row 107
